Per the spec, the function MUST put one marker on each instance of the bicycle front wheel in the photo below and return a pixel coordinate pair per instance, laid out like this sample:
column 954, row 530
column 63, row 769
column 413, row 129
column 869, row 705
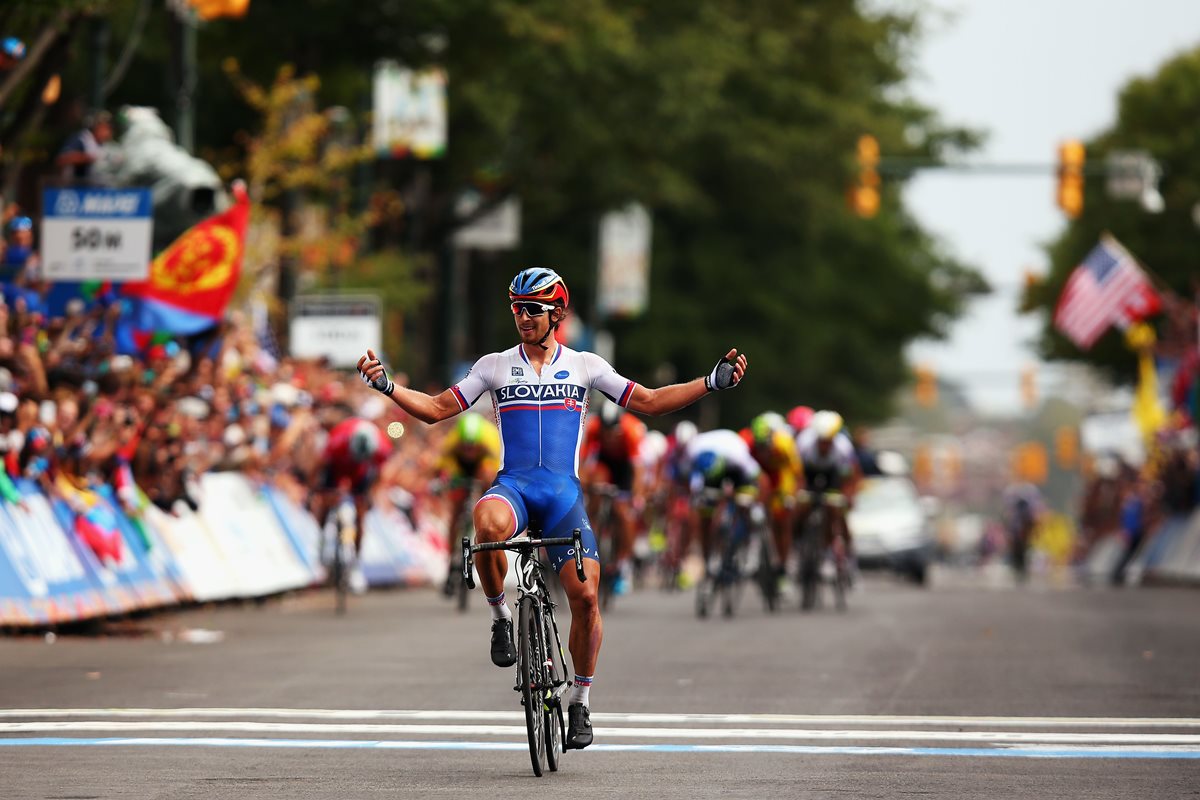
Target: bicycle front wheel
column 530, row 665
column 554, row 674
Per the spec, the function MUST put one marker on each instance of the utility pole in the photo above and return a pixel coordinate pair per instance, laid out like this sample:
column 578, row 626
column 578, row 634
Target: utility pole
column 99, row 30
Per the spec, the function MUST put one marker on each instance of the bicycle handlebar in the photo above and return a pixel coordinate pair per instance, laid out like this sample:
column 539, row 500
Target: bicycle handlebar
column 522, row 544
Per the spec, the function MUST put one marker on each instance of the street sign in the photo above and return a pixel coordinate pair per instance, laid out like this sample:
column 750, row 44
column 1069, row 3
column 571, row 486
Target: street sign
column 335, row 326
column 498, row 229
column 96, row 234
column 409, row 112
column 624, row 261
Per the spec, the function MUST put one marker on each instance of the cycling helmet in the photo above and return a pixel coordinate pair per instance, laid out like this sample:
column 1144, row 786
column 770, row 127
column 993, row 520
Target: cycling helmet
column 764, row 426
column 709, row 464
column 827, row 424
column 469, row 428
column 653, row 447
column 685, row 431
column 799, row 417
column 541, row 284
column 610, row 415
column 363, row 442
column 12, row 47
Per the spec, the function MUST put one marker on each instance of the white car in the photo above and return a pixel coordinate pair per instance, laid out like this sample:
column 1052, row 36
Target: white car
column 890, row 525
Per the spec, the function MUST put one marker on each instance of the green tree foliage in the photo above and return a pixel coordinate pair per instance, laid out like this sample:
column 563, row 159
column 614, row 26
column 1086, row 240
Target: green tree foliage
column 733, row 121
column 1155, row 114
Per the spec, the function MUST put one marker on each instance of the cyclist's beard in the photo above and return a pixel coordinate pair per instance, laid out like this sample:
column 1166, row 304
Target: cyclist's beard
column 532, row 330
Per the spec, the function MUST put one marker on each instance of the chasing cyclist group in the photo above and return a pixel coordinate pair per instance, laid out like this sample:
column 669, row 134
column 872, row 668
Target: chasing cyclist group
column 560, row 444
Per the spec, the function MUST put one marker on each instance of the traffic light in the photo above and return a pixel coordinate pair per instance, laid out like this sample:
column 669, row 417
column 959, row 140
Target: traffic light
column 926, row 388
column 1071, row 155
column 1029, row 387
column 215, row 9
column 1029, row 462
column 864, row 195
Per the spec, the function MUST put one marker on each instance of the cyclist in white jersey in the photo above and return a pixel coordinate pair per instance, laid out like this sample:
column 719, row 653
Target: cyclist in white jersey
column 830, row 465
column 716, row 458
column 539, row 395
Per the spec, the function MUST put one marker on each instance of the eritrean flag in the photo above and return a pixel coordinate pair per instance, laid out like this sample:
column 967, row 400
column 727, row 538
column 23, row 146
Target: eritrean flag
column 190, row 283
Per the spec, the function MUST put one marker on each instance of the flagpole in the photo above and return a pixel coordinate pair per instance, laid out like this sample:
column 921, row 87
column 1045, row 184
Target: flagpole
column 1155, row 279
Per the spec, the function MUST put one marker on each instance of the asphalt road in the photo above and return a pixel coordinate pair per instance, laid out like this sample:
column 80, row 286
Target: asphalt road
column 955, row 691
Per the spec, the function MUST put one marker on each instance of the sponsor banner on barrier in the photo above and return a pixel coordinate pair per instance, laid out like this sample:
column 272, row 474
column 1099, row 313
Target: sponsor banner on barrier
column 205, row 570
column 248, row 529
column 110, row 548
column 393, row 552
column 55, row 579
column 302, row 530
column 82, row 557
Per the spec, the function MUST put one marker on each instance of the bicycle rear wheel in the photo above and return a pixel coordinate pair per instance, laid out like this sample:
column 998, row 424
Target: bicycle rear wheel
column 765, row 574
column 810, row 566
column 530, row 666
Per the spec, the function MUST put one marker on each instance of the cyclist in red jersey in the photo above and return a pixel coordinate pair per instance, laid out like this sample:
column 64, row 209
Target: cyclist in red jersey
column 611, row 445
column 354, row 453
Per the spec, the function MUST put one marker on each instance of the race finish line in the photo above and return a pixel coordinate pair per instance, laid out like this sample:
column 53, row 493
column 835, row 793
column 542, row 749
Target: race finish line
column 909, row 736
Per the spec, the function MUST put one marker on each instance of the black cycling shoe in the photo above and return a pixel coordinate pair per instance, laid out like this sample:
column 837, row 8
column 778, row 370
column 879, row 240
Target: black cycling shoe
column 504, row 653
column 579, row 727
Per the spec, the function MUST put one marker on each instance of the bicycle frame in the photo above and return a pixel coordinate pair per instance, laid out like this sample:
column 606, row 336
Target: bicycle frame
column 541, row 688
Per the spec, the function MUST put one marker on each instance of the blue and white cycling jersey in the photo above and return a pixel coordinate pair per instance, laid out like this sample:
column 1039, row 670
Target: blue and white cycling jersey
column 541, row 418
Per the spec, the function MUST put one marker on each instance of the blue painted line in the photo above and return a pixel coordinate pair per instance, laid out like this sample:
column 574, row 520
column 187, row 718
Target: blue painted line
column 1165, row 753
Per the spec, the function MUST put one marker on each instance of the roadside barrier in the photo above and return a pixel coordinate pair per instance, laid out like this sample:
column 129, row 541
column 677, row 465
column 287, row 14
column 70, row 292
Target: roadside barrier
column 1169, row 554
column 1172, row 554
column 84, row 556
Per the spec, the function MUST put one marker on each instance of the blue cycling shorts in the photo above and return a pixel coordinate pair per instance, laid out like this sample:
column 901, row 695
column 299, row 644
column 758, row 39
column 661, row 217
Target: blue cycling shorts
column 550, row 503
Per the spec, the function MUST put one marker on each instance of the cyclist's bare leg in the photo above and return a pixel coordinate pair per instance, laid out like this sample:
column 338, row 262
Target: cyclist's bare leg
column 781, row 530
column 362, row 504
column 494, row 522
column 587, row 629
column 626, row 529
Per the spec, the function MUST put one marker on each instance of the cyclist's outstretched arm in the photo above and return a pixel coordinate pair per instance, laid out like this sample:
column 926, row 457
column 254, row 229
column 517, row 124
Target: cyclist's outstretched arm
column 424, row 407
column 666, row 399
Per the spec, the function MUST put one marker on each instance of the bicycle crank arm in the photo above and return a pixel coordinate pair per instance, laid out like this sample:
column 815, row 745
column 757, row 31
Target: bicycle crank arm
column 577, row 542
column 467, row 563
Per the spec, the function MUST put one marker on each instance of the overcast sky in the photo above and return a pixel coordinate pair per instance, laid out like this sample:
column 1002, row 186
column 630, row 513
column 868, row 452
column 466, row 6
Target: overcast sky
column 1030, row 73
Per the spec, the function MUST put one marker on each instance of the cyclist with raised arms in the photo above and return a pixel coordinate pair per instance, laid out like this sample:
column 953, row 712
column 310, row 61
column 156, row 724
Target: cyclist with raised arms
column 540, row 395
column 829, row 466
column 470, row 452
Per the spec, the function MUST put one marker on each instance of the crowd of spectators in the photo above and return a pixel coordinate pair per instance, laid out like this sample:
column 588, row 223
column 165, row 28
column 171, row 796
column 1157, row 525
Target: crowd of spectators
column 74, row 410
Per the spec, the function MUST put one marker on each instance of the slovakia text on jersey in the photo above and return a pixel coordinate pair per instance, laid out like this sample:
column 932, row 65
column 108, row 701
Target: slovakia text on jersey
column 541, row 418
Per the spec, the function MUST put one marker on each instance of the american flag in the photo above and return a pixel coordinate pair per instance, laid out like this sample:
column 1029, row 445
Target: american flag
column 1107, row 288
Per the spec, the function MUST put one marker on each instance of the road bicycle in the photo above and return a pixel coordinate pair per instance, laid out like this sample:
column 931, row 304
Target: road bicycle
column 605, row 524
column 817, row 548
column 743, row 552
column 541, row 660
column 338, row 534
column 456, row 587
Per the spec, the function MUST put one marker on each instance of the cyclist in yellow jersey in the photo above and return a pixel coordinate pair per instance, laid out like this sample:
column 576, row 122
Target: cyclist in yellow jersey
column 775, row 451
column 470, row 452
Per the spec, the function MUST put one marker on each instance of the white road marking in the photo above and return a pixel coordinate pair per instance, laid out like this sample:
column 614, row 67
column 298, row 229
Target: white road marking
column 613, row 733
column 1158, row 753
column 610, row 717
column 779, row 734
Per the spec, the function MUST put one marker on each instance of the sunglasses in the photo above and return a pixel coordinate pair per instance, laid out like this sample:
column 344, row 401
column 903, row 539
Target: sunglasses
column 531, row 308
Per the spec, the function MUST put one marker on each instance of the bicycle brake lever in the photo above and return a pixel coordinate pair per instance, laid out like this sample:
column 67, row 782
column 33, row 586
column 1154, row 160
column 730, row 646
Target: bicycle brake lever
column 577, row 537
column 468, row 578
